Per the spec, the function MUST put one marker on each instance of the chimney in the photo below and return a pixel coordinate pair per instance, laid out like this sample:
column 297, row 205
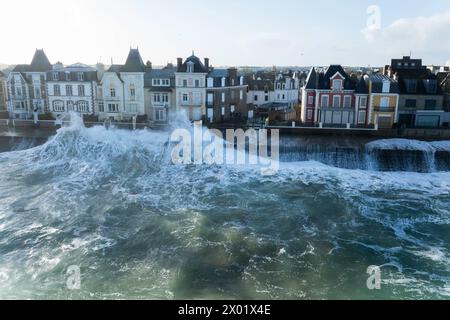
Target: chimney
column 179, row 63
column 148, row 66
column 207, row 63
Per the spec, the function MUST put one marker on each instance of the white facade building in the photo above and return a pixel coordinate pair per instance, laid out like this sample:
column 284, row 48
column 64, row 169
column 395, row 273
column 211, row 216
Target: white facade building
column 287, row 89
column 121, row 90
column 26, row 87
column 190, row 82
column 71, row 89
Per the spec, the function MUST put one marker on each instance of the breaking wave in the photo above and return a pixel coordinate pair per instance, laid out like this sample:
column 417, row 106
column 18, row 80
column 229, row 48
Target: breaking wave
column 112, row 203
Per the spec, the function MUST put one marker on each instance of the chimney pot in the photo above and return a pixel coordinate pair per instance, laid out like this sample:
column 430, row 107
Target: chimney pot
column 179, row 63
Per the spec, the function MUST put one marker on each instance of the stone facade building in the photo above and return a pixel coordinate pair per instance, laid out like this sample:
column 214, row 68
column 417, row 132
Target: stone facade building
column 226, row 94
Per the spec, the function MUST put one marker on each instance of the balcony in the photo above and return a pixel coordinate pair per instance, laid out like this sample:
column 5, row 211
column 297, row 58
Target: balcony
column 383, row 109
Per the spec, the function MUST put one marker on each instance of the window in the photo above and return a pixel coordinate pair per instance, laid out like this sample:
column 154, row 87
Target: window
column 37, row 93
column 241, row 81
column 165, row 98
column 81, row 90
column 210, row 98
column 410, row 103
column 337, row 85
column 232, row 108
column 386, row 87
column 185, row 84
column 101, row 106
column 112, row 92
column 55, row 76
column 309, row 114
column 185, row 97
column 256, row 98
column 156, row 82
column 132, row 92
column 56, row 90
column 58, row 106
column 411, row 86
column 325, row 101
column 430, row 104
column 156, row 98
column 363, row 102
column 336, row 101
column 223, row 82
column 133, row 108
column 431, row 86
column 160, row 115
column 223, row 96
column 69, row 105
column 67, row 76
column 310, row 100
column 80, row 76
column 83, row 106
column 190, row 67
column 283, row 97
column 210, row 82
column 362, row 117
column 19, row 92
column 69, row 90
column 347, row 102
column 197, row 83
column 241, row 94
column 384, row 102
column 266, row 98
column 113, row 107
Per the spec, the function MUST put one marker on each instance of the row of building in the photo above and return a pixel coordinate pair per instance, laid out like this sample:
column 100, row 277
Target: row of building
column 136, row 89
column 403, row 93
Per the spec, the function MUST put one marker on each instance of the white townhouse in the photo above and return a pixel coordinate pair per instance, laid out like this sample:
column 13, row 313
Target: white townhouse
column 71, row 89
column 160, row 97
column 190, row 86
column 121, row 90
column 26, row 87
column 287, row 89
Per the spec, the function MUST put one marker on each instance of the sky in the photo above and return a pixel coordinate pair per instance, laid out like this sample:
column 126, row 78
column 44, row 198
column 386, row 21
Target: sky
column 230, row 33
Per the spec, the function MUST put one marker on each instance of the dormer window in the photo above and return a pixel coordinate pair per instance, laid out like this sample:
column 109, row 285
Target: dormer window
column 67, row 76
column 55, row 76
column 210, row 82
column 190, row 67
column 80, row 76
column 337, row 85
column 241, row 80
column 223, row 82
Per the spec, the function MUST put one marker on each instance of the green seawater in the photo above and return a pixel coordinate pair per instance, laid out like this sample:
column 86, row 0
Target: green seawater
column 138, row 227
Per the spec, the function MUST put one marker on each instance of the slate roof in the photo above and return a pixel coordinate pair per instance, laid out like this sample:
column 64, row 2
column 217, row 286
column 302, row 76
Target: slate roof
column 422, row 77
column 361, row 87
column 134, row 63
column 377, row 83
column 39, row 63
column 164, row 73
column 90, row 73
column 199, row 67
column 260, row 85
column 322, row 80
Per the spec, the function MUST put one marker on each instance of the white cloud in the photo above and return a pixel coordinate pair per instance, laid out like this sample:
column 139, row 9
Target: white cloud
column 420, row 34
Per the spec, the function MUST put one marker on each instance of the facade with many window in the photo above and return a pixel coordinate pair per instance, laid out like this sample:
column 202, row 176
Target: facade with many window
column 226, row 96
column 190, row 87
column 27, row 89
column 421, row 102
column 120, row 94
column 160, row 98
column 72, row 89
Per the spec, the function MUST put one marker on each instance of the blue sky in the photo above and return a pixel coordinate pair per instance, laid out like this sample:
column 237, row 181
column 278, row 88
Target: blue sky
column 245, row 32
